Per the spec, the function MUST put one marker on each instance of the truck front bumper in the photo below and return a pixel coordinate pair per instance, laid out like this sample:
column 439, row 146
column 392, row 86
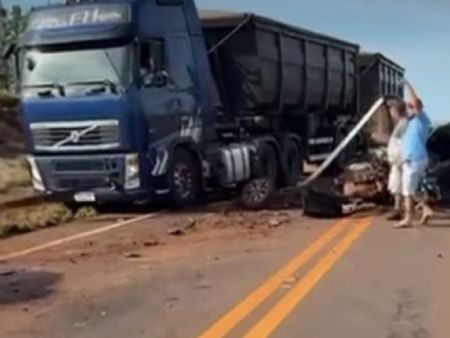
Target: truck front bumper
column 89, row 179
column 100, row 196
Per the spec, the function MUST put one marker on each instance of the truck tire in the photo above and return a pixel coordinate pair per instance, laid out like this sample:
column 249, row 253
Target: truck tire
column 293, row 163
column 183, row 179
column 257, row 193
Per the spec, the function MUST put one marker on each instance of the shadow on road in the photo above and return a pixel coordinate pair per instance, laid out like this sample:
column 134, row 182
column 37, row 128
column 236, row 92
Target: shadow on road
column 210, row 203
column 23, row 285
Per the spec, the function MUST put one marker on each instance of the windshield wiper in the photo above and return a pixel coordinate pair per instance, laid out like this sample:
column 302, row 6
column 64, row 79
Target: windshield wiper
column 114, row 67
column 55, row 85
column 107, row 83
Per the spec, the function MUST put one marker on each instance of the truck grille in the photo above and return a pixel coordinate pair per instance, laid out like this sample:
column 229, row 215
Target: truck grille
column 83, row 183
column 82, row 135
column 83, row 173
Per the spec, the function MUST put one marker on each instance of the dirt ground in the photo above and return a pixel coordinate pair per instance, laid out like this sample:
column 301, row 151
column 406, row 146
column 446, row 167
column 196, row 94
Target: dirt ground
column 30, row 286
column 175, row 274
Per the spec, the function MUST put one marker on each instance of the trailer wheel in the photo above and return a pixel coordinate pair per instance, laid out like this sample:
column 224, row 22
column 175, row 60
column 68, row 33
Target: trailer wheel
column 292, row 162
column 183, row 176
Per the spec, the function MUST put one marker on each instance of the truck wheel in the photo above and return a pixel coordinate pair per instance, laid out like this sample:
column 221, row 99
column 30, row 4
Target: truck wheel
column 184, row 182
column 292, row 162
column 257, row 193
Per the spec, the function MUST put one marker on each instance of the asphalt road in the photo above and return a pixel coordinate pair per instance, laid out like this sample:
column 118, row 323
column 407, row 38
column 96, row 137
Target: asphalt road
column 227, row 275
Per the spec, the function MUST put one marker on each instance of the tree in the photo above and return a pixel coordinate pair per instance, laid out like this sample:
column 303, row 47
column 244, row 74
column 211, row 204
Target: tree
column 14, row 23
column 2, row 41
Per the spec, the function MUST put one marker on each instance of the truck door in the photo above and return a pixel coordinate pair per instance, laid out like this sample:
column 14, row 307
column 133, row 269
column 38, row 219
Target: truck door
column 167, row 93
column 184, row 86
column 159, row 103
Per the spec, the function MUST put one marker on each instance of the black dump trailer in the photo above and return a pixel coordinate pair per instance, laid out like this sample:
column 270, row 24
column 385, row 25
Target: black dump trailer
column 379, row 77
column 291, row 79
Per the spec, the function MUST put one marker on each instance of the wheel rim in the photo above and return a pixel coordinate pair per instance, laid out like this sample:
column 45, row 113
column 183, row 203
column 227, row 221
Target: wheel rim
column 257, row 191
column 183, row 180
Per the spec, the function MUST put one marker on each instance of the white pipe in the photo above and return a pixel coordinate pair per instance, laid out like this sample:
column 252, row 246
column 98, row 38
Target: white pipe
column 343, row 144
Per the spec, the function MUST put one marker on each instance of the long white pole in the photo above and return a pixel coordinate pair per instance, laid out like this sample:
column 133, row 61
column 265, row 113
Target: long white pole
column 343, row 144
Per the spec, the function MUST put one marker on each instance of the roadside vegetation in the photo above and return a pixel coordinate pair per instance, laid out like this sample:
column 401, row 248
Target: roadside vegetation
column 26, row 219
column 15, row 180
column 13, row 166
column 14, row 174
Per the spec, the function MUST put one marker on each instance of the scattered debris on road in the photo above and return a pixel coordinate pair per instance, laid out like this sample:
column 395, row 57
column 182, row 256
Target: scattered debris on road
column 133, row 255
column 151, row 242
column 265, row 219
column 170, row 301
column 176, row 231
column 182, row 227
column 203, row 285
column 212, row 258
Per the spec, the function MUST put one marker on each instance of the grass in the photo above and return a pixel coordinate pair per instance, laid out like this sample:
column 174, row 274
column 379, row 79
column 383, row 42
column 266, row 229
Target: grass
column 14, row 173
column 27, row 219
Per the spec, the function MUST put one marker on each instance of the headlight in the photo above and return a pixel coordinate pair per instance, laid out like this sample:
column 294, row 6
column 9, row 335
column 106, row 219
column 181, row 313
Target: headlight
column 132, row 180
column 36, row 177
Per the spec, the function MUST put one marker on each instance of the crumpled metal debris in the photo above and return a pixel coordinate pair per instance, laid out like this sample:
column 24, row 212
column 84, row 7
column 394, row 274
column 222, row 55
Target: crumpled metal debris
column 365, row 180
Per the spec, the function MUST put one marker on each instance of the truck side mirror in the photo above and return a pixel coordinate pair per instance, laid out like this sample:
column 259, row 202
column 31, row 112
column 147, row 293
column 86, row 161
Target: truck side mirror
column 152, row 56
column 156, row 79
column 161, row 79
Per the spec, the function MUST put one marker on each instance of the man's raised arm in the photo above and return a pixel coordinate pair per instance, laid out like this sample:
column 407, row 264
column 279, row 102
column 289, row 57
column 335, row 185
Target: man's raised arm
column 416, row 102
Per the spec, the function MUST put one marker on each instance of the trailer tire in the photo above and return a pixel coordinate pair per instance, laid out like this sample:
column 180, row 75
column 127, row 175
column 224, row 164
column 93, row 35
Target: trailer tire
column 292, row 160
column 183, row 179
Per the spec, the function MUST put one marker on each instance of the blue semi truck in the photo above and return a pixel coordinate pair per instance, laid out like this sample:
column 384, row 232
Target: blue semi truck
column 128, row 100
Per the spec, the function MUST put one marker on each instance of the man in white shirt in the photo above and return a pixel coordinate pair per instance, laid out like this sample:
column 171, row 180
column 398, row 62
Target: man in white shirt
column 397, row 110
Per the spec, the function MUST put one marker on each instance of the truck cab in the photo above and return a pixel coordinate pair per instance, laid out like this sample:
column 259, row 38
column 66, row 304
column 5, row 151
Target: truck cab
column 111, row 90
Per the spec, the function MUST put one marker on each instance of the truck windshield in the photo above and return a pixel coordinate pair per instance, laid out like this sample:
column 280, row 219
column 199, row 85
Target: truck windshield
column 63, row 67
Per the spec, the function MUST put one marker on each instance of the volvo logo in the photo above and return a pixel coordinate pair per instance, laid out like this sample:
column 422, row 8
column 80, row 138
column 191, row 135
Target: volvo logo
column 75, row 136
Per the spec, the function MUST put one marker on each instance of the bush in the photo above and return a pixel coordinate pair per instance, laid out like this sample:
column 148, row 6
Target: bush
column 13, row 173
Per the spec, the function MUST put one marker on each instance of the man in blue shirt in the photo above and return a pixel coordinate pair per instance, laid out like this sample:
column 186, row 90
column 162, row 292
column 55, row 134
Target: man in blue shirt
column 415, row 158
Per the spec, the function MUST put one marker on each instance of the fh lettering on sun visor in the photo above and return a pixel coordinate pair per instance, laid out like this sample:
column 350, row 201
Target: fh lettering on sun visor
column 80, row 16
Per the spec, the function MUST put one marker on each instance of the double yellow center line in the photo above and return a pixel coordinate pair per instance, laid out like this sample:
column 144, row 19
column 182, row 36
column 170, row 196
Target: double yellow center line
column 282, row 309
